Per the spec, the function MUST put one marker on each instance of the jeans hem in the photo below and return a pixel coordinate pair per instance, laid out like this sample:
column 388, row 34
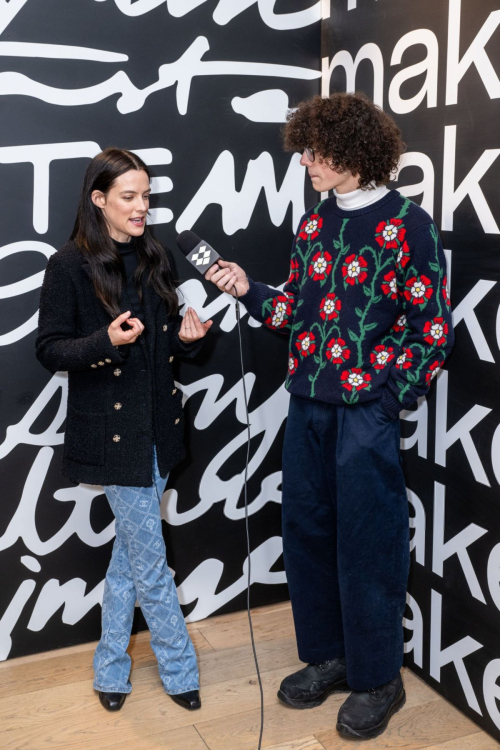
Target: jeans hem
column 317, row 656
column 111, row 690
column 379, row 681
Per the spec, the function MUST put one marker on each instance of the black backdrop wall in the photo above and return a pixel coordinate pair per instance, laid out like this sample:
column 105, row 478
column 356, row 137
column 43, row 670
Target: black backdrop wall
column 187, row 84
column 434, row 66
column 200, row 88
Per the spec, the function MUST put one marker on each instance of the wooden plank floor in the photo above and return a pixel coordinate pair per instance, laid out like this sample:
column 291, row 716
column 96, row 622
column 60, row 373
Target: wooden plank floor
column 47, row 700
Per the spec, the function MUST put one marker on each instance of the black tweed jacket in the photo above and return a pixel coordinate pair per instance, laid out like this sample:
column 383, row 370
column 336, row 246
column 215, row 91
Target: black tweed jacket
column 121, row 400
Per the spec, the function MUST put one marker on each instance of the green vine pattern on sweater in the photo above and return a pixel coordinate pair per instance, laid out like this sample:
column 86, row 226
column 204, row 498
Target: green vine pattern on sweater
column 381, row 274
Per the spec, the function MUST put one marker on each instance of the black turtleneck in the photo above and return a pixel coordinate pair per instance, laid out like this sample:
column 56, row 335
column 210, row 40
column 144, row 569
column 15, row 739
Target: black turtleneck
column 128, row 254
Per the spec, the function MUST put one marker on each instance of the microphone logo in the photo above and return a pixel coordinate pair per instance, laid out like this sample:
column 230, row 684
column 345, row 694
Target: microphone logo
column 198, row 252
column 201, row 257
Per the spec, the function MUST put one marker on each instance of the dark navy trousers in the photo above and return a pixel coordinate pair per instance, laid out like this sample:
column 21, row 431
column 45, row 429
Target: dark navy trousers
column 346, row 536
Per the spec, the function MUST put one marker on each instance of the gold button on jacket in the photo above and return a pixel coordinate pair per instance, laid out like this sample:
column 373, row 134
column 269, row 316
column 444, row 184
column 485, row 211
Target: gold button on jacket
column 116, row 438
column 118, row 405
column 117, row 372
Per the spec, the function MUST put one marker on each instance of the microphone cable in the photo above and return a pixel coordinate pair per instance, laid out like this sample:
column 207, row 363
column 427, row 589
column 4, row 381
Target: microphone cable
column 237, row 309
column 199, row 253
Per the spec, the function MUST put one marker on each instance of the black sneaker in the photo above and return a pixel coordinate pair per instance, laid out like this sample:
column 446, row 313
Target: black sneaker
column 366, row 713
column 311, row 686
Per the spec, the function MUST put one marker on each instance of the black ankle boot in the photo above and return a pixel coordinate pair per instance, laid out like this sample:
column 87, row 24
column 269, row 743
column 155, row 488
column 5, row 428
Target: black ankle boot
column 112, row 701
column 366, row 713
column 312, row 685
column 190, row 700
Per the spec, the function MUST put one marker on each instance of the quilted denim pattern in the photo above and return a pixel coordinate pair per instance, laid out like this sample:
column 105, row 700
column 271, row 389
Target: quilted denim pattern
column 139, row 570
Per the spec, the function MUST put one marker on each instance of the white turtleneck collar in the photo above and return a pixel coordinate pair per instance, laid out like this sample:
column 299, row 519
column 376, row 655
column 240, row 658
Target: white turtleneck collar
column 360, row 198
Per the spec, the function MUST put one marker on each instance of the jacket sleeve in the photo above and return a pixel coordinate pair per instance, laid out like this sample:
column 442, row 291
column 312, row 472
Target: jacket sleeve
column 269, row 306
column 429, row 335
column 57, row 344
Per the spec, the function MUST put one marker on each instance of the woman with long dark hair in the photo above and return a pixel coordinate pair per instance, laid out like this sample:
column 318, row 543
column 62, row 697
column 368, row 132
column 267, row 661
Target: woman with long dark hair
column 109, row 316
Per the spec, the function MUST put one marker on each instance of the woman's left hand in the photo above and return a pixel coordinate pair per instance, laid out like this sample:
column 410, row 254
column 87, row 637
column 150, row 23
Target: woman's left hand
column 192, row 328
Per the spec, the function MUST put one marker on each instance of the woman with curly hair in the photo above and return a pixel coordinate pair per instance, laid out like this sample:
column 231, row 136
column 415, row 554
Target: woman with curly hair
column 367, row 311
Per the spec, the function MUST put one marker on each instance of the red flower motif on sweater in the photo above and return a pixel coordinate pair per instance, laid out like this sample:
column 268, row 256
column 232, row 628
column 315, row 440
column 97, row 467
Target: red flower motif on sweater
column 355, row 379
column 353, row 269
column 390, row 233
column 311, row 227
column 404, row 361
column 436, row 331
column 432, row 371
column 330, row 305
column 418, row 290
column 305, row 343
column 321, row 266
column 381, row 356
column 403, row 256
column 400, row 324
column 281, row 311
column 446, row 292
column 337, row 351
column 390, row 285
column 294, row 271
column 292, row 364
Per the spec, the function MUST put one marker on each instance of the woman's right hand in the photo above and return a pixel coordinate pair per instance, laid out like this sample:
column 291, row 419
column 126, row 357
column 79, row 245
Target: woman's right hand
column 118, row 336
column 228, row 277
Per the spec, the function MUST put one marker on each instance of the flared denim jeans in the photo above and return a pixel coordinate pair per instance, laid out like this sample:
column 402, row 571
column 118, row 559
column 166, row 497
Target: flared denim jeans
column 138, row 571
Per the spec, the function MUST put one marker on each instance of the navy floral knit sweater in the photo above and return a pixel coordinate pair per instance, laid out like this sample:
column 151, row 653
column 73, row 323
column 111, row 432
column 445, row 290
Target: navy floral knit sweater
column 366, row 305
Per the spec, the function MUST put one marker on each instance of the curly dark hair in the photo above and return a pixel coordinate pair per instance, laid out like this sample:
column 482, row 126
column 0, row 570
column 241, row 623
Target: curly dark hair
column 350, row 133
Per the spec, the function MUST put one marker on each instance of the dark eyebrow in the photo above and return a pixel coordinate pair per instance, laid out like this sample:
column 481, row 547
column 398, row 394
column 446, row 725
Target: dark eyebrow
column 133, row 192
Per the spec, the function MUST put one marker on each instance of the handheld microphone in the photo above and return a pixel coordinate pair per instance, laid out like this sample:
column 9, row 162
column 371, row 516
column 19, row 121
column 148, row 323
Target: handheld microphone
column 202, row 256
column 198, row 252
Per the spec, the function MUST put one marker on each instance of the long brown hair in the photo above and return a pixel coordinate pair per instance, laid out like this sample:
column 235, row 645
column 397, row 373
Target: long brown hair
column 91, row 235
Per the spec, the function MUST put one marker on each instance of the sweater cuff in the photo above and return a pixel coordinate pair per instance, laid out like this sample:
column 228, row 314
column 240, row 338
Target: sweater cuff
column 253, row 300
column 250, row 295
column 390, row 404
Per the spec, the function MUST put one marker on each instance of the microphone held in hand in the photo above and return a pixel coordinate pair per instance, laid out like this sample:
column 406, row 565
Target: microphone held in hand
column 202, row 256
column 199, row 253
